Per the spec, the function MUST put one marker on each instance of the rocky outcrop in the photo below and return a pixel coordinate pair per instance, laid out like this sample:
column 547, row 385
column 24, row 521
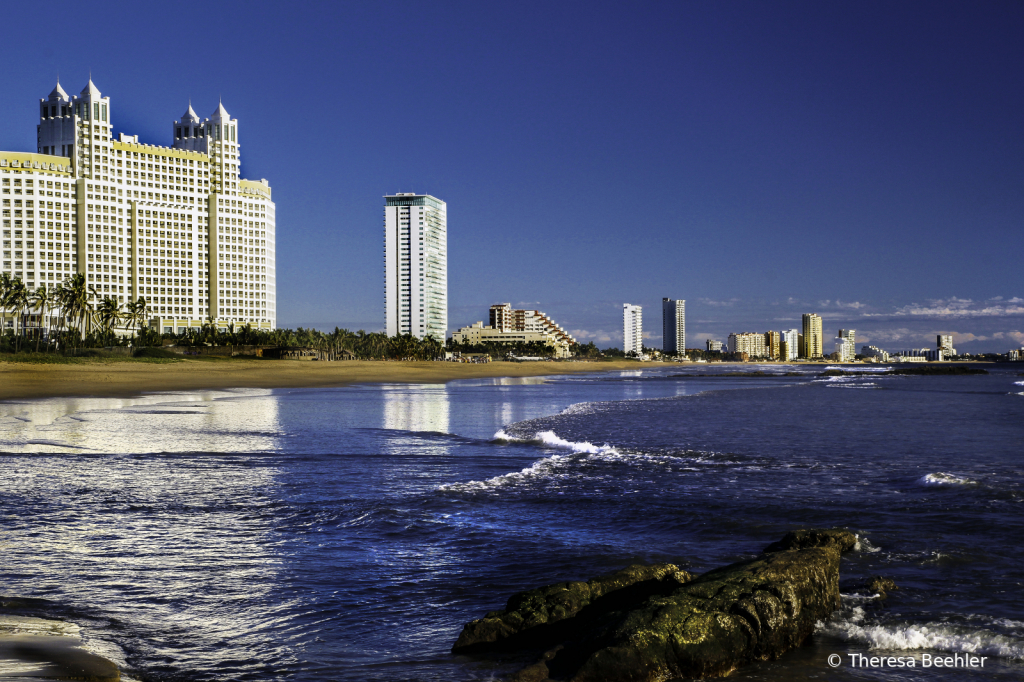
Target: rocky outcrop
column 843, row 540
column 881, row 586
column 530, row 617
column 706, row 627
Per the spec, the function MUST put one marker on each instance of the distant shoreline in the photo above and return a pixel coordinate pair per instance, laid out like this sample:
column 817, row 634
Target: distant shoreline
column 24, row 381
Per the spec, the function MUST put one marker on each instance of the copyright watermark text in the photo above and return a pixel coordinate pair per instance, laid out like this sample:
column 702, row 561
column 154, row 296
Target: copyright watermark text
column 858, row 660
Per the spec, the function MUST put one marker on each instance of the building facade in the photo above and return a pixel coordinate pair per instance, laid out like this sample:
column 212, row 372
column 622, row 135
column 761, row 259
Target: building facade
column 944, row 342
column 713, row 346
column 789, row 344
column 747, row 342
column 416, row 265
column 673, row 325
column 175, row 225
column 812, row 343
column 477, row 333
column 773, row 345
column 874, row 352
column 504, row 318
column 632, row 329
column 848, row 337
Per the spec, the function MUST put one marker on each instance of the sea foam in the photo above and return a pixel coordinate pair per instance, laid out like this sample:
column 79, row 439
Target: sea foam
column 852, row 627
column 941, row 478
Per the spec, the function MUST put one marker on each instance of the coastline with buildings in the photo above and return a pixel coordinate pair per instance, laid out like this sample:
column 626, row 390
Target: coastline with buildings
column 323, row 354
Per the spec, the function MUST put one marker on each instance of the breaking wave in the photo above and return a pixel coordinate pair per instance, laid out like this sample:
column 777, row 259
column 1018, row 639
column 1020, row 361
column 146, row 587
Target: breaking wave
column 941, row 478
column 852, row 626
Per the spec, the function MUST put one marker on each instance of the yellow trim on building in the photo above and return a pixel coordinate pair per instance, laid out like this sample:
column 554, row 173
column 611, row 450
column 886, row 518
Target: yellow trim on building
column 28, row 161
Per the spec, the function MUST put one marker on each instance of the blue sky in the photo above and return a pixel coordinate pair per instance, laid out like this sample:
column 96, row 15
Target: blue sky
column 864, row 161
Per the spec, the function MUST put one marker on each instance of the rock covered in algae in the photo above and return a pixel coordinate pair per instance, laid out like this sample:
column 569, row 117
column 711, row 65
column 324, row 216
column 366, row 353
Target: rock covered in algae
column 530, row 617
column 706, row 627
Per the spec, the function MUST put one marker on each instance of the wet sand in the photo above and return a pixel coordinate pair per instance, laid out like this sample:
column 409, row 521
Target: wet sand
column 107, row 378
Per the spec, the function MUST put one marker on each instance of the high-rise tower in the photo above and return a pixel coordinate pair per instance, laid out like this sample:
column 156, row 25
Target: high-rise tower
column 812, row 344
column 632, row 329
column 673, row 325
column 416, row 265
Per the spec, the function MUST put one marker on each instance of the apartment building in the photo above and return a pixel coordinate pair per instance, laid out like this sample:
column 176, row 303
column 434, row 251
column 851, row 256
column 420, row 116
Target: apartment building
column 673, row 325
column 811, row 347
column 747, row 342
column 632, row 329
column 789, row 344
column 416, row 265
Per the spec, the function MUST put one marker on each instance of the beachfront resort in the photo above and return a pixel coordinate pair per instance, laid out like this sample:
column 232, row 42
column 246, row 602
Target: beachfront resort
column 176, row 225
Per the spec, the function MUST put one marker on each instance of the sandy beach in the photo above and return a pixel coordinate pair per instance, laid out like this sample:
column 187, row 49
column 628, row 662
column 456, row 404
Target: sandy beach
column 105, row 378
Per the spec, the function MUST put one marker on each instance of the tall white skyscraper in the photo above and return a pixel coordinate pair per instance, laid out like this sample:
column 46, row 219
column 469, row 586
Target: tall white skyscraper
column 673, row 325
column 632, row 328
column 416, row 265
column 176, row 225
column 790, row 340
column 848, row 338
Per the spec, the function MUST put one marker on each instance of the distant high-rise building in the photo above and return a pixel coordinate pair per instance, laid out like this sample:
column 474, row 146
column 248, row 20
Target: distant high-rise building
column 713, row 346
column 632, row 329
column 416, row 265
column 773, row 345
column 848, row 337
column 944, row 342
column 812, row 344
column 673, row 325
column 789, row 344
column 748, row 342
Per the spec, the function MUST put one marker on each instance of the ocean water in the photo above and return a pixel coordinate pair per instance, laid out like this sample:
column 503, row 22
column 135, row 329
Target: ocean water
column 348, row 534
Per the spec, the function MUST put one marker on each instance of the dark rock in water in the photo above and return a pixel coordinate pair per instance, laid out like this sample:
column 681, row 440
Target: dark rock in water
column 880, row 586
column 706, row 627
column 529, row 617
column 844, row 540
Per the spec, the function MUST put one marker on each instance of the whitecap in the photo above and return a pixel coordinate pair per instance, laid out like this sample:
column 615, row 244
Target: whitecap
column 910, row 636
column 864, row 545
column 941, row 478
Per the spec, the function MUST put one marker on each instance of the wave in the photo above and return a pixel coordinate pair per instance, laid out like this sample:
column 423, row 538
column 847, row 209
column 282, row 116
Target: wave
column 864, row 545
column 851, row 626
column 579, row 453
column 551, row 440
column 942, row 478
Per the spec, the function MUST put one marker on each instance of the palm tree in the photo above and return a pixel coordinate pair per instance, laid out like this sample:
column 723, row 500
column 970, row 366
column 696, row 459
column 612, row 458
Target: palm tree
column 17, row 301
column 6, row 286
column 40, row 300
column 137, row 313
column 109, row 314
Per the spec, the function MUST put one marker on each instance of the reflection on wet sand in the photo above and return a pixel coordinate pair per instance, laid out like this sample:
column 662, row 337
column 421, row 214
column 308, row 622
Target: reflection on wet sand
column 244, row 420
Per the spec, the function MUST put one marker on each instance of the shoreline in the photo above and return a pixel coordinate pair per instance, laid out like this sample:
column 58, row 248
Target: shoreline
column 27, row 381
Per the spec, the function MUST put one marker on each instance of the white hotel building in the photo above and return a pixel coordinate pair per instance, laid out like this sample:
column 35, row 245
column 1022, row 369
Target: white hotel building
column 632, row 329
column 175, row 225
column 416, row 265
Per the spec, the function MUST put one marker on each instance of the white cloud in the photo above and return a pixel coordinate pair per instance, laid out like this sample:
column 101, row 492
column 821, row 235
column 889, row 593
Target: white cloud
column 584, row 336
column 957, row 307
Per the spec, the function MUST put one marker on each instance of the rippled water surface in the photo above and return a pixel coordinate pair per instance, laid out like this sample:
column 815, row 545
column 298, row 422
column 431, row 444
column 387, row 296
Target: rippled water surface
column 347, row 534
